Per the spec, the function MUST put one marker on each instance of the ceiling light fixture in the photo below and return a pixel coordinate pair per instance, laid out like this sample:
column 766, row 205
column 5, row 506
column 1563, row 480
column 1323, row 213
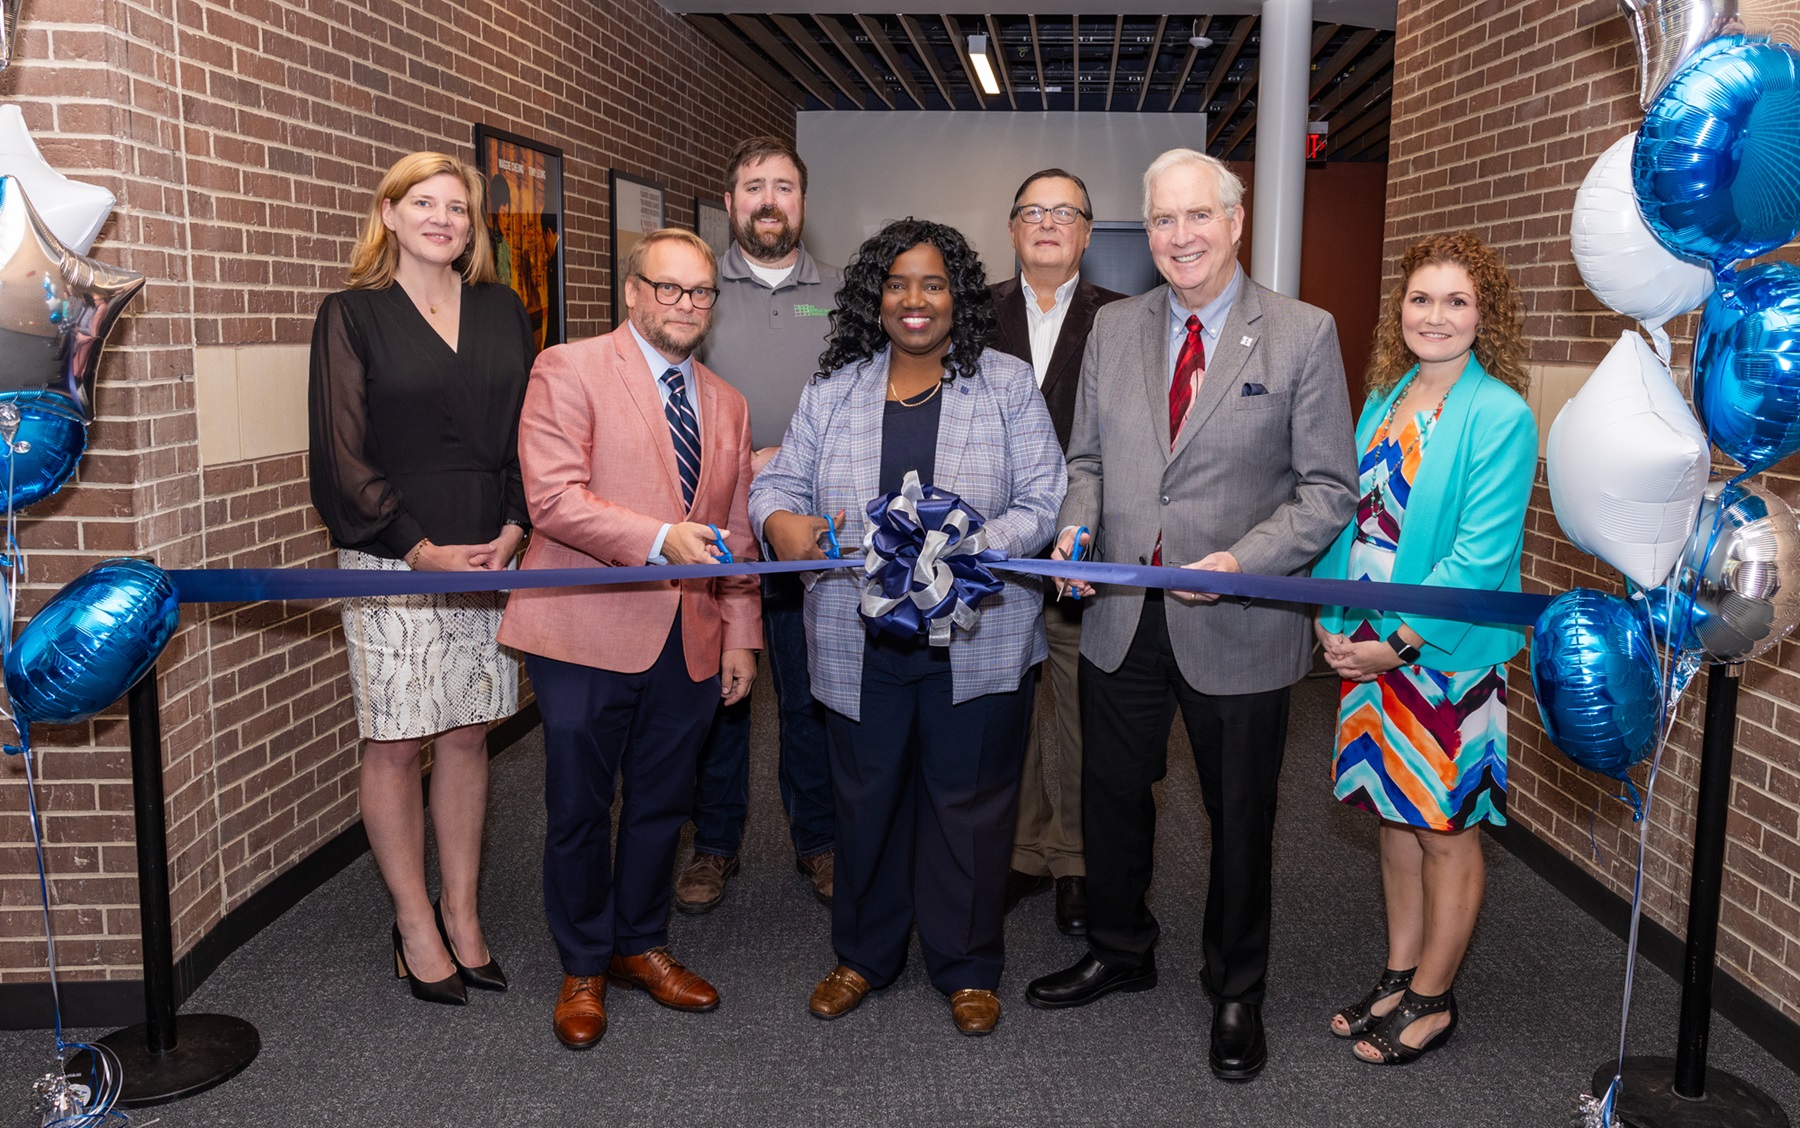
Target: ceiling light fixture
column 982, row 65
column 1197, row 41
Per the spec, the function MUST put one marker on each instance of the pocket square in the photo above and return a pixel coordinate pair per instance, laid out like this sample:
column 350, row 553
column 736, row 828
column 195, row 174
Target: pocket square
column 1254, row 390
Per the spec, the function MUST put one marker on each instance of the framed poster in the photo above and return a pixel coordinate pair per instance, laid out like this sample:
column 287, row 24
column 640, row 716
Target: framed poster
column 713, row 224
column 637, row 210
column 525, row 221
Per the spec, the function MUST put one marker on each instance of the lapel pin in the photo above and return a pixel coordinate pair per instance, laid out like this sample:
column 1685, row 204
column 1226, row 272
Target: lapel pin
column 1246, row 341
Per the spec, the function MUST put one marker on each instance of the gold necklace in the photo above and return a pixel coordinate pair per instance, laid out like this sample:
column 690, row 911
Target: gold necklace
column 924, row 397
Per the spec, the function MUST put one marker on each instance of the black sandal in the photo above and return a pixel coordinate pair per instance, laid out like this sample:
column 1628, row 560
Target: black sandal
column 1360, row 1016
column 1385, row 1038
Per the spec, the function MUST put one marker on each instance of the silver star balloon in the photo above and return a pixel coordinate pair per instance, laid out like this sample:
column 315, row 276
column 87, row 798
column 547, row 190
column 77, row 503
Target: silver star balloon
column 56, row 307
column 9, row 24
column 1668, row 32
column 74, row 210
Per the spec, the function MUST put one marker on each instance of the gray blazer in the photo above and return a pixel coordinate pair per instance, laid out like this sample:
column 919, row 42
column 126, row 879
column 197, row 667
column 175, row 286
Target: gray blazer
column 995, row 448
column 1264, row 469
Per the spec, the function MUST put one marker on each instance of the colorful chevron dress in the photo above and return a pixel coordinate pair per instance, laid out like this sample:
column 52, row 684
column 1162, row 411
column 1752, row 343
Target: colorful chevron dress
column 1416, row 746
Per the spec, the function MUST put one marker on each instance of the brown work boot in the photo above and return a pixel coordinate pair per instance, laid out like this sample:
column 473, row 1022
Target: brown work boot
column 701, row 886
column 662, row 975
column 580, row 1018
column 975, row 1012
column 838, row 993
column 818, row 868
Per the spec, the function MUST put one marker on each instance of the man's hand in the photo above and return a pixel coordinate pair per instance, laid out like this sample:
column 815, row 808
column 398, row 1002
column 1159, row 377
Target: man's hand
column 496, row 554
column 1065, row 547
column 761, row 458
column 737, row 669
column 1212, row 562
column 689, row 542
column 794, row 537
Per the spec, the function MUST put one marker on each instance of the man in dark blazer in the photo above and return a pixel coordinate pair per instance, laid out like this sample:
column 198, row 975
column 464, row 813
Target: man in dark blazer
column 1212, row 431
column 1044, row 314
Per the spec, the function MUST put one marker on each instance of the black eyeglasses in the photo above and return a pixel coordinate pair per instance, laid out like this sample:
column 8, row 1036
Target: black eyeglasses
column 668, row 293
column 1031, row 213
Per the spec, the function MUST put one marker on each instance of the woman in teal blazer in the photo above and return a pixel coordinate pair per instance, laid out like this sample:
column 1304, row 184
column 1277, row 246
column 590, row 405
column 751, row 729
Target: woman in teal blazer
column 1448, row 456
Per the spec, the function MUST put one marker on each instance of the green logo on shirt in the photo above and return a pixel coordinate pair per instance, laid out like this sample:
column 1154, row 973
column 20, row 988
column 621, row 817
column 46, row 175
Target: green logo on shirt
column 807, row 309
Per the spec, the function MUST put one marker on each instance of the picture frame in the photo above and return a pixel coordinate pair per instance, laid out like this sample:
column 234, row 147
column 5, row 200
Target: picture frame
column 639, row 207
column 524, row 182
column 713, row 224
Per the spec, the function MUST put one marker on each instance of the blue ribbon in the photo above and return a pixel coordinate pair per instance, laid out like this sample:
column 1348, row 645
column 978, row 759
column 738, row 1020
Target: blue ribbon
column 927, row 564
column 252, row 585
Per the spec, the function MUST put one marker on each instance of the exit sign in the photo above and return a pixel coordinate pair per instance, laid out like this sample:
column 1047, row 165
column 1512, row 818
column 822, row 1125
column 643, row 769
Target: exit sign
column 1315, row 146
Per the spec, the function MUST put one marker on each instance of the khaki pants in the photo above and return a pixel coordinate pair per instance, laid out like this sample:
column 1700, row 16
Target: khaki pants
column 1048, row 836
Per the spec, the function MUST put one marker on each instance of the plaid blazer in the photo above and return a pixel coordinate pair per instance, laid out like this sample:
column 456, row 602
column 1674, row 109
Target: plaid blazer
column 996, row 449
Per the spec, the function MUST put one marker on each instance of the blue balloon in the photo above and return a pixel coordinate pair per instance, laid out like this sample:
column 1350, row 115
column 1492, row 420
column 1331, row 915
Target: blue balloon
column 50, row 439
column 1747, row 365
column 1717, row 163
column 92, row 641
column 1594, row 671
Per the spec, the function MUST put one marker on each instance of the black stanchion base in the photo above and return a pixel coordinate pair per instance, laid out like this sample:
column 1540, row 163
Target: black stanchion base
column 210, row 1049
column 1648, row 1099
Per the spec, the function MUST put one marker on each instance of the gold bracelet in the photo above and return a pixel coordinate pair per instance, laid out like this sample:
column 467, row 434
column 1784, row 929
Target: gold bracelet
column 411, row 559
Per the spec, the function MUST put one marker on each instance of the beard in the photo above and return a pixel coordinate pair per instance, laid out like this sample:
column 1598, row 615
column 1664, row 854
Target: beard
column 771, row 245
column 669, row 338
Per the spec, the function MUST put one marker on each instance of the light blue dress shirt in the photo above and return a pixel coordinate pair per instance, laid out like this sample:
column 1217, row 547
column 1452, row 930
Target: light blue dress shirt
column 659, row 364
column 1212, row 320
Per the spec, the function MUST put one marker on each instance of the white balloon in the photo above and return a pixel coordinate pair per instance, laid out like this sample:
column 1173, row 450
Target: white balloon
column 1627, row 463
column 1621, row 261
column 74, row 212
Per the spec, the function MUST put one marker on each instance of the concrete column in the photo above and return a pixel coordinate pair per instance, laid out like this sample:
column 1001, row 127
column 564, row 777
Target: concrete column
column 1281, row 115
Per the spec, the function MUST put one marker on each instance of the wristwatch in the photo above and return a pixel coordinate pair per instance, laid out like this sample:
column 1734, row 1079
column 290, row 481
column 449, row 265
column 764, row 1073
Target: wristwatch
column 1407, row 651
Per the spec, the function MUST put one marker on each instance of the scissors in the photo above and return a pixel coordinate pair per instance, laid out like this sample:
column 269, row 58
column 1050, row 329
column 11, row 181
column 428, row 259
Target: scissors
column 1075, row 553
column 834, row 551
column 725, row 556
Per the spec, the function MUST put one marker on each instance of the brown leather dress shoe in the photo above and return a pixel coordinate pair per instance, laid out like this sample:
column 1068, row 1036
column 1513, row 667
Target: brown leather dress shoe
column 818, row 869
column 666, row 981
column 701, row 885
column 975, row 1012
column 580, row 1020
column 838, row 993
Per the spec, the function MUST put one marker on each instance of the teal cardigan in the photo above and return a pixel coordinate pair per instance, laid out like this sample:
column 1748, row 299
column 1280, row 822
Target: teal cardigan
column 1465, row 518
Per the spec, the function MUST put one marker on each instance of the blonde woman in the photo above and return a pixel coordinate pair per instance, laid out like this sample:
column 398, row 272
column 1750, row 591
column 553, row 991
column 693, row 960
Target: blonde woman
column 418, row 374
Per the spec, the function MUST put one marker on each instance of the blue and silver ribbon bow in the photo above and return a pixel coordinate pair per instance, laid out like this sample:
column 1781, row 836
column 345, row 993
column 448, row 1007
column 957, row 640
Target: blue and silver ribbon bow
column 925, row 566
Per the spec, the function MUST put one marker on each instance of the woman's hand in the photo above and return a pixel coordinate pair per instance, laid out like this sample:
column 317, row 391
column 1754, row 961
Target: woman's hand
column 794, row 537
column 429, row 557
column 1359, row 661
column 496, row 554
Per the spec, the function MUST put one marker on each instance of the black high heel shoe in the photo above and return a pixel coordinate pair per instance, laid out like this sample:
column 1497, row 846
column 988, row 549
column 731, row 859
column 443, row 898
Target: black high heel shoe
column 449, row 990
column 1359, row 1016
column 1385, row 1038
column 487, row 977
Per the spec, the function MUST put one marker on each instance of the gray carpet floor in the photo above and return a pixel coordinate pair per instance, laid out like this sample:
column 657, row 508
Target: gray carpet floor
column 344, row 1043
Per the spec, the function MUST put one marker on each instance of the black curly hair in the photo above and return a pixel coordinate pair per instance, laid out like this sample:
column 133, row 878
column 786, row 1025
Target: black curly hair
column 856, row 332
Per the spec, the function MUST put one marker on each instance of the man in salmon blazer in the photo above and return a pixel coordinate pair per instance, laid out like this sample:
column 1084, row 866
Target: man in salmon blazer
column 632, row 451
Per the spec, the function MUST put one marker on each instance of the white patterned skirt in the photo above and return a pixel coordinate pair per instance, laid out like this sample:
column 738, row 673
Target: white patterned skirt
column 422, row 664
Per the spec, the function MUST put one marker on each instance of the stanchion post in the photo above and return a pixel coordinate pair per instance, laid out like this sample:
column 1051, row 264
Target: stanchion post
column 167, row 1057
column 1657, row 1092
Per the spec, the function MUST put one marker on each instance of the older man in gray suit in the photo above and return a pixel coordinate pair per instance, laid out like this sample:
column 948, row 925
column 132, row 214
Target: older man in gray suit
column 1212, row 431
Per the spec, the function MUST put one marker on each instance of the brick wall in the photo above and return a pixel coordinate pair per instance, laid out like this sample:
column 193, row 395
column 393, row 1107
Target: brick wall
column 1499, row 110
column 243, row 139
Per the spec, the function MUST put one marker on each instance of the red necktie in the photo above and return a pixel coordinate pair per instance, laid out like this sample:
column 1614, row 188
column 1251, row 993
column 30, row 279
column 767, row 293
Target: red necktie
column 1190, row 369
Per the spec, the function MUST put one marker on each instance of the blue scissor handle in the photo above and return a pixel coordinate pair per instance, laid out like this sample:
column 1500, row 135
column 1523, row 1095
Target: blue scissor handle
column 836, row 551
column 1075, row 552
column 725, row 556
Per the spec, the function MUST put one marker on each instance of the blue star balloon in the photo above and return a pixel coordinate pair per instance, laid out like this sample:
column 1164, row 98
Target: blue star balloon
column 1593, row 669
column 1717, row 163
column 92, row 641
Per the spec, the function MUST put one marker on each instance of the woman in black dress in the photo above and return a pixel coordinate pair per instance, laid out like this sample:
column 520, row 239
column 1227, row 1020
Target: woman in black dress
column 418, row 374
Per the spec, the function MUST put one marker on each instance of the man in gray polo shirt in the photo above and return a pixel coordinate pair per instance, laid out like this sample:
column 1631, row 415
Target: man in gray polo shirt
column 768, row 329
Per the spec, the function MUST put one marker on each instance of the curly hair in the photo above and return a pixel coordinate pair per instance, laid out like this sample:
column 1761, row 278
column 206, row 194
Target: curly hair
column 856, row 332
column 1500, row 340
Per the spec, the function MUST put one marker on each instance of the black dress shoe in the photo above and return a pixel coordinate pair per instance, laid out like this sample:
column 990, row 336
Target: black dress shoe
column 1088, row 980
column 1071, row 906
column 1020, row 885
column 1239, row 1051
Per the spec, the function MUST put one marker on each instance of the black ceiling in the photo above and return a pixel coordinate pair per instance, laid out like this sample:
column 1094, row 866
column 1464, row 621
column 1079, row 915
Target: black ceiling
column 1101, row 63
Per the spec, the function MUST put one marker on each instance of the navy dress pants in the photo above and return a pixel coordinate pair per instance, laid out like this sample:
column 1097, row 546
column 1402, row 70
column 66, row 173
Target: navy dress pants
column 601, row 728
column 927, row 795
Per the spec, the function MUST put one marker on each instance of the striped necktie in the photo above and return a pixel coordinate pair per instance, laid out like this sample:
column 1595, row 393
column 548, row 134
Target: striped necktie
column 685, row 430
